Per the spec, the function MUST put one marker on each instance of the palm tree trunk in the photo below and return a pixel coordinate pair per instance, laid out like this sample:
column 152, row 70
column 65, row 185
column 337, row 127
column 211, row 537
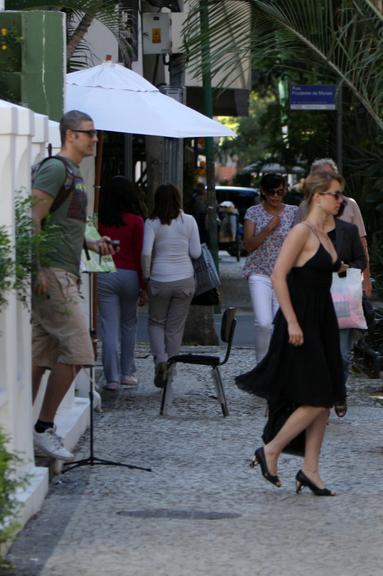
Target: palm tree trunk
column 79, row 34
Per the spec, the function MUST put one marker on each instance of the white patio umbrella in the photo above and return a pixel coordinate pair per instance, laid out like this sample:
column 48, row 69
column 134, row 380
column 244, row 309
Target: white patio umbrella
column 121, row 100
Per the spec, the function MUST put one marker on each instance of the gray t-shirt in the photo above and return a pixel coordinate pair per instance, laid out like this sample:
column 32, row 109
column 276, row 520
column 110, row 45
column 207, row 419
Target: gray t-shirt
column 66, row 233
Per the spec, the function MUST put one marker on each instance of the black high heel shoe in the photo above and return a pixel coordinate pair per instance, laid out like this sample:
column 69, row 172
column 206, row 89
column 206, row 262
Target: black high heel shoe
column 340, row 410
column 260, row 458
column 302, row 480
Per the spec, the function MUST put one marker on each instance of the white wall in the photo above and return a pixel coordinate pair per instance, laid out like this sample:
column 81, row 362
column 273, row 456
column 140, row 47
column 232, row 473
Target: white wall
column 23, row 140
column 101, row 42
column 17, row 126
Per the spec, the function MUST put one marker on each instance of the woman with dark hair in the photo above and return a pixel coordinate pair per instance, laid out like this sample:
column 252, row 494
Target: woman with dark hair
column 303, row 366
column 119, row 291
column 266, row 226
column 171, row 241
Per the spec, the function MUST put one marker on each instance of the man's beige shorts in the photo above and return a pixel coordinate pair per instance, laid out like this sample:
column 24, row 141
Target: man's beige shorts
column 60, row 331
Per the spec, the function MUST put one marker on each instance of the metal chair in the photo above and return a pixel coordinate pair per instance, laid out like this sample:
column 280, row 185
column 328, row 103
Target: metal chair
column 227, row 333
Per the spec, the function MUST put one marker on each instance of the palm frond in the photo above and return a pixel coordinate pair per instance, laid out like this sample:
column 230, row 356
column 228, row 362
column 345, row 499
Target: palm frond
column 80, row 15
column 346, row 40
column 228, row 36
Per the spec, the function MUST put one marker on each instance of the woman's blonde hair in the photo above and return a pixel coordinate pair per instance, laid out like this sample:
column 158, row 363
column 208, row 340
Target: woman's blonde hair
column 319, row 182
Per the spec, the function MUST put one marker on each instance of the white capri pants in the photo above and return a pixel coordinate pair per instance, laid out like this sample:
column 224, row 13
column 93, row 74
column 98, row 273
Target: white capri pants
column 265, row 306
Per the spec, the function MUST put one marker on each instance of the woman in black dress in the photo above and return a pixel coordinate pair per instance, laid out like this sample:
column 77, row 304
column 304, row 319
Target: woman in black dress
column 303, row 365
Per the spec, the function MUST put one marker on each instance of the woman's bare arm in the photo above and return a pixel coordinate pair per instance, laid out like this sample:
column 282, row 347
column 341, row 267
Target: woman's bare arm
column 251, row 239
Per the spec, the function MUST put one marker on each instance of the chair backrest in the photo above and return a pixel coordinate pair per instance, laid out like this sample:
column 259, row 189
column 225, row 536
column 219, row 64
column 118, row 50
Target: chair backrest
column 228, row 324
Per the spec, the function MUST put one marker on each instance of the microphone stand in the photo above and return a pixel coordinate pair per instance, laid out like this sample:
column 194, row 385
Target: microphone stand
column 93, row 460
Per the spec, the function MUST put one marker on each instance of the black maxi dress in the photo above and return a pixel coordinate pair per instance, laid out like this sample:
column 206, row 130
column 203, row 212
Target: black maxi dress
column 311, row 374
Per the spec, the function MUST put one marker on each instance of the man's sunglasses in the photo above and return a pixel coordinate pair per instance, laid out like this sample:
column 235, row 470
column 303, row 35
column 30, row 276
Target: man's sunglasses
column 91, row 133
column 338, row 194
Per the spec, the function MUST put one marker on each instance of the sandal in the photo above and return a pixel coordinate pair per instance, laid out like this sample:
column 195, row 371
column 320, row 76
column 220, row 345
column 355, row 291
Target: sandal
column 340, row 410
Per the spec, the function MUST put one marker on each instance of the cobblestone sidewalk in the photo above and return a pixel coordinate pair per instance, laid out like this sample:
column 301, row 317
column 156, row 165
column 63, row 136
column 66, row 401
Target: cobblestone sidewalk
column 202, row 510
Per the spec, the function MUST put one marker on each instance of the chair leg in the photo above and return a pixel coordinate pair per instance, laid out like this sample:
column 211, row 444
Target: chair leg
column 220, row 391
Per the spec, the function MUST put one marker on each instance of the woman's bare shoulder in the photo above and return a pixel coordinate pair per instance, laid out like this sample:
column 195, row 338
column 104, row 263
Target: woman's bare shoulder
column 300, row 230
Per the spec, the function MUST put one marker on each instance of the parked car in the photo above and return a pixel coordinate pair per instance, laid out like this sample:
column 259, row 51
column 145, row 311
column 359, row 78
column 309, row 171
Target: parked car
column 241, row 198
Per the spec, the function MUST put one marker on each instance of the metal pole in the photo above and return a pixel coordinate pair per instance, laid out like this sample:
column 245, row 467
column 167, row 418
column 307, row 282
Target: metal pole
column 128, row 156
column 209, row 142
column 174, row 147
column 339, row 127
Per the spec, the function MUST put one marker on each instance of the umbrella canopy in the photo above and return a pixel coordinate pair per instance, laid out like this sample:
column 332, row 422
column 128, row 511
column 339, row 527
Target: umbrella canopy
column 120, row 100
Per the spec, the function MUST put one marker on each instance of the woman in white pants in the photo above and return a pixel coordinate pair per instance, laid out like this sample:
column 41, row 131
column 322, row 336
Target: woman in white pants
column 266, row 226
column 171, row 241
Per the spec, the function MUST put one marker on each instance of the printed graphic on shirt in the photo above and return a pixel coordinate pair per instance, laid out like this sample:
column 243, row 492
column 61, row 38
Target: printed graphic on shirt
column 78, row 201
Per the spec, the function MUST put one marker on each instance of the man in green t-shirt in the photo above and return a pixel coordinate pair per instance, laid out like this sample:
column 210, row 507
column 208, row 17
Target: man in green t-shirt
column 60, row 335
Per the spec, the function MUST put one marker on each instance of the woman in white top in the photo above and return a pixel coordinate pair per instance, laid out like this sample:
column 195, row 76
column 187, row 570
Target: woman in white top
column 171, row 241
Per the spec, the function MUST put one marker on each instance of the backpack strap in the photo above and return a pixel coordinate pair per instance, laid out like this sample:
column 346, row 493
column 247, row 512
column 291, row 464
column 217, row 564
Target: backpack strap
column 67, row 186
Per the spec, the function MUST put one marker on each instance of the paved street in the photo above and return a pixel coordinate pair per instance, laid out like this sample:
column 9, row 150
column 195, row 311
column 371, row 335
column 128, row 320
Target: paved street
column 203, row 511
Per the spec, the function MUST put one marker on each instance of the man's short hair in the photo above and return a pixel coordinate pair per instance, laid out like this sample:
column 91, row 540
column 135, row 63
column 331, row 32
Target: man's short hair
column 72, row 121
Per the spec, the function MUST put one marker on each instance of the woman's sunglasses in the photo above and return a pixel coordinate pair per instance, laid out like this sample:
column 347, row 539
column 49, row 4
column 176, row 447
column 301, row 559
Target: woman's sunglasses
column 338, row 194
column 276, row 192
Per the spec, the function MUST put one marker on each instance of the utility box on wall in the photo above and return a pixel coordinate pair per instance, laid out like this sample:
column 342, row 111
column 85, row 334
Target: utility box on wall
column 32, row 60
column 156, row 33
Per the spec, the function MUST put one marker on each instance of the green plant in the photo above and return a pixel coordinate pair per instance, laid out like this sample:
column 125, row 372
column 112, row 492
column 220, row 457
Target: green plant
column 18, row 256
column 23, row 249
column 15, row 254
column 9, row 484
column 344, row 38
column 6, row 265
column 376, row 262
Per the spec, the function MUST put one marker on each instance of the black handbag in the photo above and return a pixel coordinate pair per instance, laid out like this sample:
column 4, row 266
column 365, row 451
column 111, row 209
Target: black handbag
column 278, row 413
column 209, row 298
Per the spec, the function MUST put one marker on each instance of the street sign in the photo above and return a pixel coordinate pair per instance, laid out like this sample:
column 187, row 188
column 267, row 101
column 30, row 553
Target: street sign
column 319, row 97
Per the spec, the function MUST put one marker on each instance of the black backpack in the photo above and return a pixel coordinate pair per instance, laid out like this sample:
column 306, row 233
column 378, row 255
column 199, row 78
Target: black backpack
column 65, row 189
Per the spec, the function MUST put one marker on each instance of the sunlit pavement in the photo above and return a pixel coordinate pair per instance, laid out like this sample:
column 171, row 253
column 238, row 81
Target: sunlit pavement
column 203, row 511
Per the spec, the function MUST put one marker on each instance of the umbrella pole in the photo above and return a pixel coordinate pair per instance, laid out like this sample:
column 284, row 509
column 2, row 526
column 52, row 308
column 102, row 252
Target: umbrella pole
column 97, row 182
column 96, row 205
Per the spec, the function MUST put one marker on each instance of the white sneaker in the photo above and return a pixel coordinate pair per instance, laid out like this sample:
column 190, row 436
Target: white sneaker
column 48, row 443
column 129, row 381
